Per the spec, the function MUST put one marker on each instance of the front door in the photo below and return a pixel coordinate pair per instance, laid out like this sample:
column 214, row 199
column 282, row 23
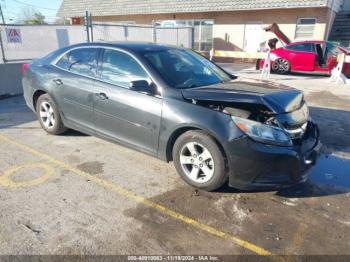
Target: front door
column 121, row 114
column 73, row 85
column 301, row 56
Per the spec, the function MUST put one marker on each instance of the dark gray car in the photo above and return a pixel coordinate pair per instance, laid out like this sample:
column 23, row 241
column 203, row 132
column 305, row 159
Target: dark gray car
column 176, row 105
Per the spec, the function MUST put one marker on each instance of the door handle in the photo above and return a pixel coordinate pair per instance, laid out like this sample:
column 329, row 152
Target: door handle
column 58, row 82
column 102, row 96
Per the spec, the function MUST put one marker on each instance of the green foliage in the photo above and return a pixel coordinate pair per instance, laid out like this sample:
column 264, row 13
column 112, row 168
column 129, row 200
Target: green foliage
column 38, row 18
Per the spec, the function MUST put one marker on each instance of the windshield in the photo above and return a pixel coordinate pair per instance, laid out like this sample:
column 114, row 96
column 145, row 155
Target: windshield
column 185, row 69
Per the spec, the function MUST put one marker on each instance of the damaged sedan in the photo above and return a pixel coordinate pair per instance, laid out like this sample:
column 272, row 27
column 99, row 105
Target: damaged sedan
column 176, row 105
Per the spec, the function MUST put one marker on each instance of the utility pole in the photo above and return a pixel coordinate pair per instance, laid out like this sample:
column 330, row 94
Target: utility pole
column 87, row 26
column 2, row 15
column 91, row 29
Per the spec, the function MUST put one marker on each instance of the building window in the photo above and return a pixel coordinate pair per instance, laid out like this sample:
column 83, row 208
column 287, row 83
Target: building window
column 205, row 41
column 305, row 28
column 203, row 31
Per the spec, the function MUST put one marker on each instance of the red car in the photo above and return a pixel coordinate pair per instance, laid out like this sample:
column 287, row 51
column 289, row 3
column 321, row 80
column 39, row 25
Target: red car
column 316, row 57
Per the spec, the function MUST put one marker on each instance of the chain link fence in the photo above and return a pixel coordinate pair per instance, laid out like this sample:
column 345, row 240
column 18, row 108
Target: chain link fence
column 180, row 36
column 111, row 32
column 27, row 42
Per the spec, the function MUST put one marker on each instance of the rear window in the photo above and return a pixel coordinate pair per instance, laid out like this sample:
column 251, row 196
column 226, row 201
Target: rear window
column 81, row 61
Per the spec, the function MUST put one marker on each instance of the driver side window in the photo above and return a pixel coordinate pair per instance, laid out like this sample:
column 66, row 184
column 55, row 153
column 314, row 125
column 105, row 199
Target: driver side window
column 120, row 68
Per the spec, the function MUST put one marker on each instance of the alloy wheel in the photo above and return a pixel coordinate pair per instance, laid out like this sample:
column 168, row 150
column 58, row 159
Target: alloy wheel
column 280, row 66
column 197, row 162
column 47, row 115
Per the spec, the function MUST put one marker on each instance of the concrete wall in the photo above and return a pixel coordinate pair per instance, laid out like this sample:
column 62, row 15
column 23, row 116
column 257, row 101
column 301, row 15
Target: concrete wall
column 10, row 79
column 231, row 25
column 39, row 40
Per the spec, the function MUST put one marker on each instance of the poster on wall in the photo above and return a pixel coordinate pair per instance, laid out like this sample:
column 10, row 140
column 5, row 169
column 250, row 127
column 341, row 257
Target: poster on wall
column 13, row 35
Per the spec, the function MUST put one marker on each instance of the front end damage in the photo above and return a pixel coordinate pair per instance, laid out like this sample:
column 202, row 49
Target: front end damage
column 279, row 141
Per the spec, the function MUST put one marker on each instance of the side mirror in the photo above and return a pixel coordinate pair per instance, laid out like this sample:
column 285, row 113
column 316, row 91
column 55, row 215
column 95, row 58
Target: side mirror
column 143, row 86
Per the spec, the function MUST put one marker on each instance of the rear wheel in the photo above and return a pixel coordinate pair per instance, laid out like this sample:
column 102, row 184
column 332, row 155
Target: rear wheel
column 199, row 160
column 49, row 116
column 281, row 66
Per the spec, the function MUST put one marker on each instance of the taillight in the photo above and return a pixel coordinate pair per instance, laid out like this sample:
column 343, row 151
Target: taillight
column 24, row 68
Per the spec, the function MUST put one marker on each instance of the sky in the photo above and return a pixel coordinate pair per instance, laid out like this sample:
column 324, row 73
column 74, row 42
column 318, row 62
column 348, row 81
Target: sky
column 12, row 9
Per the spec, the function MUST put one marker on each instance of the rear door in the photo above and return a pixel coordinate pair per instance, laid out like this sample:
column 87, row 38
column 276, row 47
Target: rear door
column 301, row 56
column 73, row 78
column 121, row 114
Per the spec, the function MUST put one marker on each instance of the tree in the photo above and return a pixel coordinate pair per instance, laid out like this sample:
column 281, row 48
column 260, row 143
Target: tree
column 32, row 17
column 62, row 21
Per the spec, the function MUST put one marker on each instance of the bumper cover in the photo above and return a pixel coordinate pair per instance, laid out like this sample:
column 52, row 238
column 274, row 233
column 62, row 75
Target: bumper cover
column 255, row 165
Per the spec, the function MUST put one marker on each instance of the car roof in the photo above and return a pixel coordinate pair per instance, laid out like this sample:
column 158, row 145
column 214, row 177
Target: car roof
column 132, row 46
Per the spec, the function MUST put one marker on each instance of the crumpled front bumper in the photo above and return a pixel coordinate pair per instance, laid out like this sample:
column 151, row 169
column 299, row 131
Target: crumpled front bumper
column 254, row 165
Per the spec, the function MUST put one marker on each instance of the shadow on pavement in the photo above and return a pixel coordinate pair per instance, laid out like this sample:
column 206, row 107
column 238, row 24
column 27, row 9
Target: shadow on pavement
column 334, row 125
column 331, row 175
column 14, row 112
column 71, row 132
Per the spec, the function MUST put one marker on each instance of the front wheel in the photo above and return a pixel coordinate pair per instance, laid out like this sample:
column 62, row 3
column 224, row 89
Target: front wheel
column 49, row 116
column 199, row 160
column 281, row 66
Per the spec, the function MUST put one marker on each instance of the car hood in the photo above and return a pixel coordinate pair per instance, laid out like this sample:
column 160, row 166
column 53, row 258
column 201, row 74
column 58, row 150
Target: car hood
column 278, row 98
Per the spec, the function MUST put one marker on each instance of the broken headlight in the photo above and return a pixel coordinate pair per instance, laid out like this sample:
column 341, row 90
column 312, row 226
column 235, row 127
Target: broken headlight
column 263, row 133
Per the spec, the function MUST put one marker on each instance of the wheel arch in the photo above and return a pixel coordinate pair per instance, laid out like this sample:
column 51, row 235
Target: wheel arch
column 36, row 95
column 181, row 130
column 276, row 55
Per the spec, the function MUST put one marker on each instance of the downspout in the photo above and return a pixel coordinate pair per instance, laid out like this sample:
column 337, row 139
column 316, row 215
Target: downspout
column 329, row 17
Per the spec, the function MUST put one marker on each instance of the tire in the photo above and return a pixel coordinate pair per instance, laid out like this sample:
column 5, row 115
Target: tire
column 281, row 66
column 193, row 163
column 49, row 116
column 257, row 65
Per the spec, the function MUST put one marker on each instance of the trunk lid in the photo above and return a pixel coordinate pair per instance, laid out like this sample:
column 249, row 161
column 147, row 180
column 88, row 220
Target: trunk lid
column 274, row 28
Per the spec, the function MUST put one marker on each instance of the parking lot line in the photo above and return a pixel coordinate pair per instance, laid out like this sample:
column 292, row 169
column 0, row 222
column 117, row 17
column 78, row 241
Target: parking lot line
column 299, row 237
column 136, row 198
column 5, row 179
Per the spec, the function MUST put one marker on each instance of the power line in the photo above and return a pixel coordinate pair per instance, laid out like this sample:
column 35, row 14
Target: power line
column 41, row 7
